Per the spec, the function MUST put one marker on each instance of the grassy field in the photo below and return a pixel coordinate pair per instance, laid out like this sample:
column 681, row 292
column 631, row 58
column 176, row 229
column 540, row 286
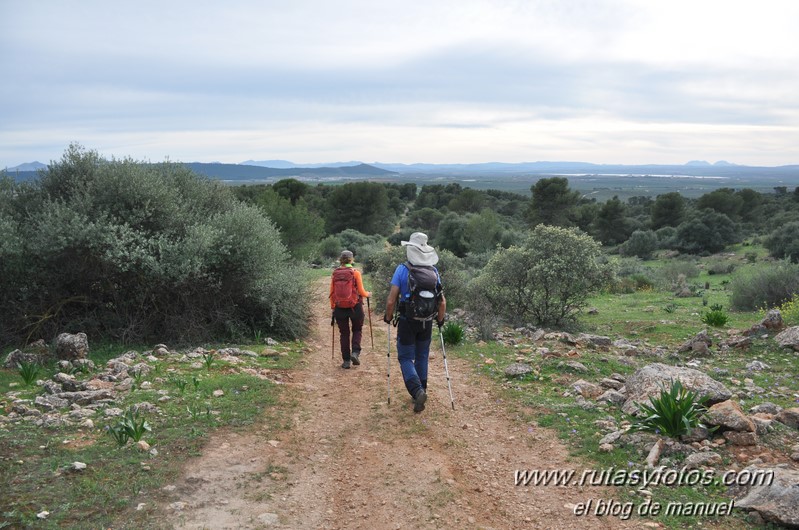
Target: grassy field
column 202, row 396
column 656, row 318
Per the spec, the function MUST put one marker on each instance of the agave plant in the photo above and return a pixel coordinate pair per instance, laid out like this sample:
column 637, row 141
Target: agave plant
column 453, row 333
column 29, row 372
column 675, row 412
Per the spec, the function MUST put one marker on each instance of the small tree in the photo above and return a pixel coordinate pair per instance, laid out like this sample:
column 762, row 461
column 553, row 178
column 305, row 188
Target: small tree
column 668, row 210
column 642, row 243
column 547, row 280
column 553, row 202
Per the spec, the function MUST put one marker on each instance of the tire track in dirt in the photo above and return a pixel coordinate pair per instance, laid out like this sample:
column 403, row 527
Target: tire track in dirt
column 350, row 460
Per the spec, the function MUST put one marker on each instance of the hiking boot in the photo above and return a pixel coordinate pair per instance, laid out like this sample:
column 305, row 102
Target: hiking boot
column 346, row 364
column 418, row 401
column 355, row 358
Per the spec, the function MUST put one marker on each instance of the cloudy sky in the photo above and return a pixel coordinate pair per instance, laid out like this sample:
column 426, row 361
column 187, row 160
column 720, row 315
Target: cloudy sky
column 435, row 81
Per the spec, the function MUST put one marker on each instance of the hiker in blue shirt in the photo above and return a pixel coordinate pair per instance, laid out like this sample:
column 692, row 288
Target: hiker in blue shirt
column 415, row 324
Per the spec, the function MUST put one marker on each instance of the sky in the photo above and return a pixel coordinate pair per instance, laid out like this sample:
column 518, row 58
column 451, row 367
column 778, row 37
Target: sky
column 427, row 81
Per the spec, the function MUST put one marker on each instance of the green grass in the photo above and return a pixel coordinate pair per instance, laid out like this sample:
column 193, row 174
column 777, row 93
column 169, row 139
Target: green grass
column 35, row 462
column 657, row 318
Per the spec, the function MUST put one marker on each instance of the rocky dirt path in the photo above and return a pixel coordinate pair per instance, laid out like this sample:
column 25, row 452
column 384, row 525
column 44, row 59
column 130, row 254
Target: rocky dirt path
column 349, row 460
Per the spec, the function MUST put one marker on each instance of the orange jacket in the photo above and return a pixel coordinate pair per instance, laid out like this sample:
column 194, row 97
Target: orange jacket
column 358, row 285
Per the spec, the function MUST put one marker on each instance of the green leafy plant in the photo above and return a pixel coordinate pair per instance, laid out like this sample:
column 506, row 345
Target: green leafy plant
column 119, row 434
column 131, row 426
column 790, row 311
column 671, row 307
column 716, row 317
column 675, row 412
column 29, row 372
column 196, row 382
column 208, row 360
column 453, row 333
column 180, row 383
column 134, row 425
column 138, row 378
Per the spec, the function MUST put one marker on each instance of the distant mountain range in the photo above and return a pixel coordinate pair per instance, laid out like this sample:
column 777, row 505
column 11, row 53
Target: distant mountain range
column 266, row 170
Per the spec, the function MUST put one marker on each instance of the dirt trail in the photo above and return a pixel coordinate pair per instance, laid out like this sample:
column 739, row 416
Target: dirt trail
column 350, row 460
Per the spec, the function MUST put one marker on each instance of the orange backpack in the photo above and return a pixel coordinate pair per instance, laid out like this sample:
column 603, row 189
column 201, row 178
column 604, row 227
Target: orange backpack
column 345, row 290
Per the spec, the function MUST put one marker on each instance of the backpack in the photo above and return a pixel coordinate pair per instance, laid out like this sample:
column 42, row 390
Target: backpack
column 426, row 292
column 345, row 291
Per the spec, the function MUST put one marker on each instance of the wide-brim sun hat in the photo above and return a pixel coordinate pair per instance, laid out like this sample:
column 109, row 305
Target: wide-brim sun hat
column 418, row 251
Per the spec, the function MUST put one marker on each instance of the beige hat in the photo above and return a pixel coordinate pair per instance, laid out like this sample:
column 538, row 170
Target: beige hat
column 418, row 251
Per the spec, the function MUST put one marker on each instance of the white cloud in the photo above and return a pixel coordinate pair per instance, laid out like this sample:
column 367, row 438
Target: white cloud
column 449, row 81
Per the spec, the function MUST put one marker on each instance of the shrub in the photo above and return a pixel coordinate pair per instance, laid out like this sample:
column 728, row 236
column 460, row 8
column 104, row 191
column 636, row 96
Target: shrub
column 330, row 248
column 361, row 245
column 784, row 242
column 720, row 266
column 707, row 231
column 453, row 333
column 546, row 281
column 674, row 413
column 139, row 252
column 29, row 372
column 642, row 243
column 675, row 272
column 300, row 229
column 765, row 286
column 716, row 317
column 790, row 311
column 666, row 236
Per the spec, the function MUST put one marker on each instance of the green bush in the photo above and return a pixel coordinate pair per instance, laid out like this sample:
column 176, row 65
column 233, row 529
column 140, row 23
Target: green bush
column 705, row 231
column 546, row 281
column 765, row 286
column 29, row 372
column 674, row 413
column 453, row 333
column 329, row 249
column 784, row 242
column 790, row 311
column 720, row 266
column 140, row 252
column 716, row 317
column 361, row 245
column 675, row 272
column 642, row 243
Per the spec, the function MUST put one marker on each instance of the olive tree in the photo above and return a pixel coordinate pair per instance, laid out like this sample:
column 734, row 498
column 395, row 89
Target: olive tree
column 546, row 281
column 140, row 252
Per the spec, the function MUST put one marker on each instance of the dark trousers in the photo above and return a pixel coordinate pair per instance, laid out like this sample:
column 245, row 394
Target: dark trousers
column 413, row 352
column 343, row 318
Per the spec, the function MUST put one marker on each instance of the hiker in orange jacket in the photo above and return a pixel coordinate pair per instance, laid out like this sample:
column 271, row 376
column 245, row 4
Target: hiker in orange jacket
column 346, row 301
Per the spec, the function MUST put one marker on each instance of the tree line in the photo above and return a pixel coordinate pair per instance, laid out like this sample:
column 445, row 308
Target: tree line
column 136, row 251
column 315, row 220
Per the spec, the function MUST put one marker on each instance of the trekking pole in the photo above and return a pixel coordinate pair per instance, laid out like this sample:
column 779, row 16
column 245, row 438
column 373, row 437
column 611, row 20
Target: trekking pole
column 371, row 334
column 388, row 365
column 446, row 369
column 333, row 337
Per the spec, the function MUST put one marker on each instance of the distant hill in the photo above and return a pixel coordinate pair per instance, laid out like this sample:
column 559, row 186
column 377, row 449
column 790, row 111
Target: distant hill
column 241, row 172
column 28, row 166
column 285, row 164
